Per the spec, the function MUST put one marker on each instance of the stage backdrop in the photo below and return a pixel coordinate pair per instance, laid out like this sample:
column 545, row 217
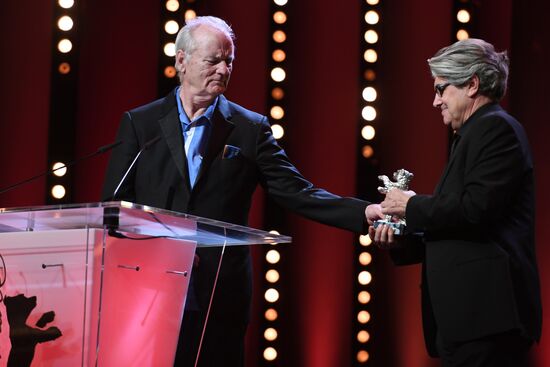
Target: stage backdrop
column 118, row 70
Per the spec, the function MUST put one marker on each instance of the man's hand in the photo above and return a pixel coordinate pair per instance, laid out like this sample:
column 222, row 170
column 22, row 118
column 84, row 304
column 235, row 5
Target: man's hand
column 395, row 203
column 383, row 237
column 373, row 212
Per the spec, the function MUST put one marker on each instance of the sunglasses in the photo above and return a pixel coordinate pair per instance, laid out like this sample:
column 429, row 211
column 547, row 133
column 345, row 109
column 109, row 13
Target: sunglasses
column 440, row 88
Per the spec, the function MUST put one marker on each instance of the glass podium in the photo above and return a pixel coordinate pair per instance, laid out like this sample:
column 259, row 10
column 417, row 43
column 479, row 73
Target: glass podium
column 100, row 284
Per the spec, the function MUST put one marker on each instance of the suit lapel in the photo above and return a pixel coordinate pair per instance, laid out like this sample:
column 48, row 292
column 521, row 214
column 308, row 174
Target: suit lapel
column 220, row 130
column 171, row 131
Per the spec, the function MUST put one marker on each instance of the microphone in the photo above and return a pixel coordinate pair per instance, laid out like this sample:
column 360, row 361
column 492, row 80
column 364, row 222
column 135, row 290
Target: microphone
column 100, row 150
column 146, row 146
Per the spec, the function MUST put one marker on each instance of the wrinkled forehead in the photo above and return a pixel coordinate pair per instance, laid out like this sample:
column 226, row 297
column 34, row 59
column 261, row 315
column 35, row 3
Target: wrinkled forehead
column 439, row 80
column 208, row 35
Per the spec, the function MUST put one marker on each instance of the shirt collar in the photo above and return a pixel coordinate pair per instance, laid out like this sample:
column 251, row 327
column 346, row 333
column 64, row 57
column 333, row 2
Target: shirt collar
column 184, row 119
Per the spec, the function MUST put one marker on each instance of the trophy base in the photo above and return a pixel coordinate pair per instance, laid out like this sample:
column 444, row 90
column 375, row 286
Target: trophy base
column 398, row 228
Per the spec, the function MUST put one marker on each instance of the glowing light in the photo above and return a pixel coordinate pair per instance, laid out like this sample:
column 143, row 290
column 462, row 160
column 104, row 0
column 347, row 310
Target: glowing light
column 66, row 4
column 278, row 131
column 64, row 68
column 271, row 295
column 61, row 171
column 169, row 71
column 270, row 354
column 270, row 334
column 364, row 277
column 367, row 151
column 365, row 258
column 271, row 314
column 365, row 240
column 368, row 132
column 278, row 74
column 362, row 356
column 372, row 2
column 368, row 113
column 58, row 191
column 172, row 5
column 170, row 49
column 171, row 27
column 277, row 112
column 363, row 336
column 363, row 297
column 273, row 231
column 369, row 75
column 272, row 276
column 190, row 14
column 278, row 55
column 280, row 2
column 273, row 256
column 462, row 34
column 371, row 17
column 370, row 56
column 65, row 23
column 369, row 94
column 463, row 16
column 279, row 36
column 279, row 17
column 277, row 93
column 65, row 46
column 363, row 317
column 371, row 36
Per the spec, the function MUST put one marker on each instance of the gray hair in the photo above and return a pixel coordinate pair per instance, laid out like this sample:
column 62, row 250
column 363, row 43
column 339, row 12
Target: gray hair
column 185, row 40
column 460, row 61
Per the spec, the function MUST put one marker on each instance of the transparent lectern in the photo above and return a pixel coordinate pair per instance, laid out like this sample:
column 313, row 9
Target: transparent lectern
column 100, row 284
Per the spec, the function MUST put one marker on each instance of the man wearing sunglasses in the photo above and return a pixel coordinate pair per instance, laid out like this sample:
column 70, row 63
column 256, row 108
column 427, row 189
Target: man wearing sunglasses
column 475, row 234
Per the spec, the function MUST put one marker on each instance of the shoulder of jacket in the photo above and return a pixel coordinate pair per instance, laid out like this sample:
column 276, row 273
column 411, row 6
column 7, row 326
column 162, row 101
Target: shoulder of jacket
column 240, row 115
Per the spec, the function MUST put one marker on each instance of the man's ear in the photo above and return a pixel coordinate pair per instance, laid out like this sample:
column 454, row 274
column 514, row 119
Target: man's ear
column 473, row 86
column 180, row 61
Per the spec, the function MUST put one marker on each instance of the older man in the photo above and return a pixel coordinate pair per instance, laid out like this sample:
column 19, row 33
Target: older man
column 211, row 156
column 480, row 288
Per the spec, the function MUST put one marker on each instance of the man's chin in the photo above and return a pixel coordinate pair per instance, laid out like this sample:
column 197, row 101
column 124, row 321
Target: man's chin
column 218, row 88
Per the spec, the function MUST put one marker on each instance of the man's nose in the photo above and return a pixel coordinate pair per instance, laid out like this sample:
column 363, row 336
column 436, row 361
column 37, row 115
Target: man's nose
column 224, row 68
column 437, row 101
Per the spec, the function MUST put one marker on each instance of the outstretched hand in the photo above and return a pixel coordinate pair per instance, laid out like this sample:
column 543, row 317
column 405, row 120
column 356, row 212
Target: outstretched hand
column 373, row 212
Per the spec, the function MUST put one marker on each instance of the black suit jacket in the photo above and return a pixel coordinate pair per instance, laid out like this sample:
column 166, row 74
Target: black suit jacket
column 478, row 249
column 241, row 154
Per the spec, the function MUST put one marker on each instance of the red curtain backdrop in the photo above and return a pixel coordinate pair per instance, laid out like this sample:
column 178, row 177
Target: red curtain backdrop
column 322, row 133
column 528, row 97
column 118, row 70
column 25, row 49
column 411, row 136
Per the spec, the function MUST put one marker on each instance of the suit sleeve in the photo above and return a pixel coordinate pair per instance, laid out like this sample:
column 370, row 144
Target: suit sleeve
column 121, row 158
column 472, row 198
column 289, row 188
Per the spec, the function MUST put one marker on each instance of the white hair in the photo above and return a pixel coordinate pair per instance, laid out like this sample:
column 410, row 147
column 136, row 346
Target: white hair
column 460, row 61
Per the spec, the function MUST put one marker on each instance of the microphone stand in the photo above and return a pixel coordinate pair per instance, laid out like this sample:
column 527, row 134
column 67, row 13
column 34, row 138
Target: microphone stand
column 100, row 150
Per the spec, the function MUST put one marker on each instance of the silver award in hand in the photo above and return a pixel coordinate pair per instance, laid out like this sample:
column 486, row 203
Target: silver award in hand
column 402, row 178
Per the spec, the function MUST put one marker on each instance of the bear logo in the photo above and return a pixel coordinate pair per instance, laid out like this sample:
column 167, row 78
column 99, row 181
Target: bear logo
column 23, row 337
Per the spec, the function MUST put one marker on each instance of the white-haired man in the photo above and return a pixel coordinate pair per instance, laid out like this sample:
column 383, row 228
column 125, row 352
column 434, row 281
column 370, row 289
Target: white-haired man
column 211, row 156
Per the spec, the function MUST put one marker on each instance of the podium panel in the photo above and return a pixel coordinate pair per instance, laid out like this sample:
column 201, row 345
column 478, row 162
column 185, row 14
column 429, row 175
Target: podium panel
column 100, row 284
column 142, row 298
column 47, row 280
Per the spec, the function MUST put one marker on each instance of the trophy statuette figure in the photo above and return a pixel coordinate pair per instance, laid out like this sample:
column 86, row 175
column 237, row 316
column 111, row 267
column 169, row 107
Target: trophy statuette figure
column 402, row 179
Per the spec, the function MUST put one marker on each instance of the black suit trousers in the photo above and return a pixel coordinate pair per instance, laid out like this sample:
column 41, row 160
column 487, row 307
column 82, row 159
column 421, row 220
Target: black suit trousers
column 507, row 349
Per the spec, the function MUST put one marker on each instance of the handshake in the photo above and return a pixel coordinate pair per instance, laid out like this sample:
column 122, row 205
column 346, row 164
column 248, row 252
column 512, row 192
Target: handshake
column 387, row 219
